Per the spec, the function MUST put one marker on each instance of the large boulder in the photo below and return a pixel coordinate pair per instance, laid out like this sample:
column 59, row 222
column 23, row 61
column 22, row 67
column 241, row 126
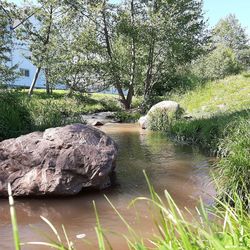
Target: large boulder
column 59, row 161
column 168, row 107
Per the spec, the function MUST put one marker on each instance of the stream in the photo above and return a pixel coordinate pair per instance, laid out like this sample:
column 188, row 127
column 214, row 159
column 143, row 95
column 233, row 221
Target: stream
column 182, row 170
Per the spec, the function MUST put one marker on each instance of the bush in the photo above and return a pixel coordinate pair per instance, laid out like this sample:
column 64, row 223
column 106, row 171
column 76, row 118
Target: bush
column 146, row 104
column 46, row 114
column 123, row 116
column 219, row 63
column 20, row 114
column 15, row 118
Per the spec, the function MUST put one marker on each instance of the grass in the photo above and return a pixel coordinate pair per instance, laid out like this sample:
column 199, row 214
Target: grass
column 220, row 228
column 223, row 96
column 20, row 114
column 15, row 117
column 220, row 122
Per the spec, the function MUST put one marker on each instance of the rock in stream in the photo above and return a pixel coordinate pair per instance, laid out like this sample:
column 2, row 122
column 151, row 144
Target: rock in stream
column 58, row 161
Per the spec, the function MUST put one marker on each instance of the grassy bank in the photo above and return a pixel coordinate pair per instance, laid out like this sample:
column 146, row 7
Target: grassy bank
column 220, row 124
column 20, row 114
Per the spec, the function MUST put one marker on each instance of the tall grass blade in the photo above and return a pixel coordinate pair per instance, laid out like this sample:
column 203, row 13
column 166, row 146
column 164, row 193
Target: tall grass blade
column 13, row 220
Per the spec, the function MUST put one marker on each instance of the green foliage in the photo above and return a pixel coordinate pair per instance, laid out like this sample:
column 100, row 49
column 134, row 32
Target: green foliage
column 7, row 70
column 15, row 118
column 221, row 62
column 47, row 113
column 20, row 114
column 227, row 54
column 234, row 169
column 207, row 132
column 230, row 33
column 147, row 103
column 160, row 120
column 138, row 47
column 126, row 116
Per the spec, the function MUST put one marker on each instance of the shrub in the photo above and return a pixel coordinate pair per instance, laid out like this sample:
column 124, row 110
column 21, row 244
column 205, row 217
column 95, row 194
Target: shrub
column 147, row 103
column 219, row 63
column 123, row 116
column 46, row 114
column 15, row 118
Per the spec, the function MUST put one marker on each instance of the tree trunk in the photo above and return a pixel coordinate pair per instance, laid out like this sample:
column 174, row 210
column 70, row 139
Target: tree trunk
column 47, row 82
column 116, row 78
column 32, row 86
column 43, row 52
column 129, row 97
column 150, row 65
column 133, row 60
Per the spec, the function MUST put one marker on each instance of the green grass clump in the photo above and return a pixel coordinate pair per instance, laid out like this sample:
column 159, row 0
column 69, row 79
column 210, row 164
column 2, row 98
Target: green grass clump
column 234, row 168
column 15, row 118
column 126, row 116
column 208, row 132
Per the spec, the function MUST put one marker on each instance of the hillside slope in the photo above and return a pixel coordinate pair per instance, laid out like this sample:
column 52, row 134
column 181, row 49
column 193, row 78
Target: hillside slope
column 228, row 95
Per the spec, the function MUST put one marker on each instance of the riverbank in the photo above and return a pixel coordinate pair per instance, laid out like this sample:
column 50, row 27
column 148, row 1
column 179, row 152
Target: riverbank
column 220, row 124
column 20, row 114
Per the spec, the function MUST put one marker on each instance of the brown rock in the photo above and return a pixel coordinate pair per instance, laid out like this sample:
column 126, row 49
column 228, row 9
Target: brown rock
column 97, row 123
column 59, row 161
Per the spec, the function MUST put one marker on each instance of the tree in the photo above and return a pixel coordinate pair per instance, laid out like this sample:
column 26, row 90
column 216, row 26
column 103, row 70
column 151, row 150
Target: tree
column 38, row 34
column 218, row 64
column 229, row 33
column 228, row 52
column 174, row 37
column 7, row 70
column 135, row 46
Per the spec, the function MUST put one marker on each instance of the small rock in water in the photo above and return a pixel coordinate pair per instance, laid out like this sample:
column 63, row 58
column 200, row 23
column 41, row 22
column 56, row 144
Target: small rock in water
column 97, row 123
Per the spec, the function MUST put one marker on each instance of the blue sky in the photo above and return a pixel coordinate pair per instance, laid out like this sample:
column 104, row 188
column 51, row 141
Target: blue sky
column 217, row 9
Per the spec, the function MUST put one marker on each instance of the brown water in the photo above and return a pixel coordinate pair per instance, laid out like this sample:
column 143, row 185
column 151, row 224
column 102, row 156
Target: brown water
column 182, row 170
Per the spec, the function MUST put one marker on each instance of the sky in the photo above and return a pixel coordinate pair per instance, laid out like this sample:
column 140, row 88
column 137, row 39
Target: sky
column 217, row 9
